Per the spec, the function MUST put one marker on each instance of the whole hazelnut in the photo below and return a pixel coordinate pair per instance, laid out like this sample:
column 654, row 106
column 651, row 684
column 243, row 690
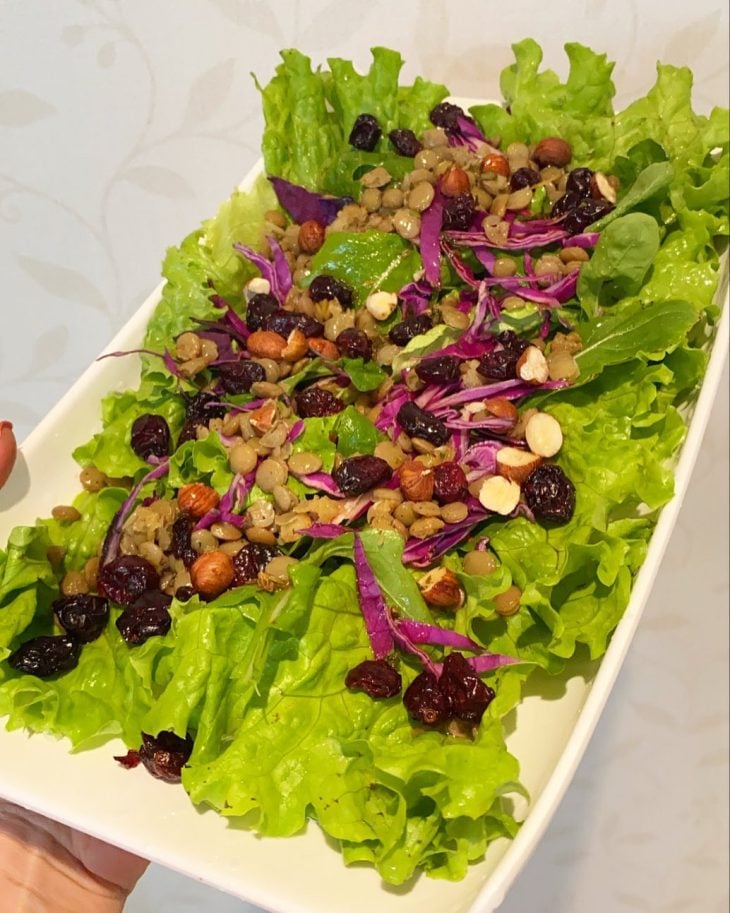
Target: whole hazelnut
column 212, row 573
column 416, row 481
column 311, row 236
column 440, row 588
column 455, row 182
column 552, row 151
column 197, row 499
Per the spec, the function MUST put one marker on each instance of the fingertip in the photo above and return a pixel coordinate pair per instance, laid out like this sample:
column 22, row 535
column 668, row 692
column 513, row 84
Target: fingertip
column 8, row 451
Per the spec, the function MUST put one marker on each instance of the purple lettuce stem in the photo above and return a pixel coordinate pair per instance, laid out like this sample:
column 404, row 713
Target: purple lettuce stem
column 372, row 605
column 110, row 548
column 419, row 632
column 476, row 239
column 231, row 316
column 415, row 297
column 303, row 205
column 586, row 240
column 487, row 662
column 276, row 273
column 429, row 243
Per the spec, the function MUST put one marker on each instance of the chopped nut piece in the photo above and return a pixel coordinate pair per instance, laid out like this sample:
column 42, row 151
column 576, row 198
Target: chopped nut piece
column 515, row 464
column 543, row 434
column 381, row 304
column 440, row 588
column 532, row 366
column 499, row 495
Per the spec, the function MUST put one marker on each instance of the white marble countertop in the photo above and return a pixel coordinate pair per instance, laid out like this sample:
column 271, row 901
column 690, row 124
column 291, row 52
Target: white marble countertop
column 123, row 124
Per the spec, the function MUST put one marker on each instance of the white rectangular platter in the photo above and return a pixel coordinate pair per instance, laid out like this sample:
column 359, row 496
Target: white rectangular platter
column 303, row 874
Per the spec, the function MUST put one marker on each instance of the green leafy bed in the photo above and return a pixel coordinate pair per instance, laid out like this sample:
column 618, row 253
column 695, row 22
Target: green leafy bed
column 257, row 678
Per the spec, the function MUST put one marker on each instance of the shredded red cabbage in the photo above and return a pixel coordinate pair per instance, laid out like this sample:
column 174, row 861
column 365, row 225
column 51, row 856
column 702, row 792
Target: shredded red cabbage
column 277, row 273
column 372, row 605
column 431, row 222
column 419, row 632
column 415, row 297
column 303, row 205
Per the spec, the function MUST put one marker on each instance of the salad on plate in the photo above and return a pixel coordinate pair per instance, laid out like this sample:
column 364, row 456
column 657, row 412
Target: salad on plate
column 406, row 418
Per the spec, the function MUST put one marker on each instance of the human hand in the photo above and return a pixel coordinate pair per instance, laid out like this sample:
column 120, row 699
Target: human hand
column 8, row 451
column 48, row 867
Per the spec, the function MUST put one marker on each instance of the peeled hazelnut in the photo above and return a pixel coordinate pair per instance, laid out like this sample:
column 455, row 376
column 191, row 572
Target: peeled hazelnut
column 502, row 408
column 543, row 434
column 496, row 164
column 552, row 151
column 296, row 346
column 311, row 236
column 256, row 286
column 264, row 418
column 197, row 499
column 499, row 495
column 532, row 366
column 515, row 464
column 601, row 188
column 266, row 344
column 212, row 573
column 381, row 304
column 440, row 588
column 416, row 481
column 326, row 350
column 454, row 182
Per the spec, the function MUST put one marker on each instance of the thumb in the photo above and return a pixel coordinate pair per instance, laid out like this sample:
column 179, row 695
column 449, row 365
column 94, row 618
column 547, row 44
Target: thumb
column 8, row 451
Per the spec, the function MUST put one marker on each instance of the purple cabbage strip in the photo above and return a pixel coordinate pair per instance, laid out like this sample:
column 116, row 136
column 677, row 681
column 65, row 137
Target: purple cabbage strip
column 415, row 297
column 322, row 481
column 422, row 552
column 296, row 430
column 483, row 456
column 431, row 222
column 167, row 358
column 419, row 632
column 303, row 205
column 468, row 134
column 231, row 316
column 281, row 270
column 272, row 272
column 586, row 240
column 477, row 239
column 372, row 605
column 325, row 531
column 114, row 533
column 486, row 258
column 487, row 662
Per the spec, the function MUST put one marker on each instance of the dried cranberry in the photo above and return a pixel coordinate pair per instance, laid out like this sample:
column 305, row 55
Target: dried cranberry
column 147, row 617
column 359, row 474
column 500, row 364
column 549, row 494
column 180, row 546
column 284, row 322
column 585, row 213
column 316, row 402
column 82, row 615
column 449, row 483
column 184, row 593
column 468, row 695
column 258, row 309
column 365, row 133
column 418, row 422
column 130, row 760
column 402, row 333
column 524, row 177
column 354, row 344
column 327, row 288
column 446, row 115
column 426, row 702
column 203, row 407
column 565, row 204
column 239, row 376
column 459, row 212
column 511, row 341
column 375, row 677
column 405, row 142
column 125, row 578
column 44, row 656
column 165, row 756
column 579, row 181
column 150, row 437
column 443, row 369
column 252, row 558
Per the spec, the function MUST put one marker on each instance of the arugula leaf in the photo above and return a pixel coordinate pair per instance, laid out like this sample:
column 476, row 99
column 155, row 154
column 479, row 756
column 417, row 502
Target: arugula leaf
column 365, row 375
column 356, row 433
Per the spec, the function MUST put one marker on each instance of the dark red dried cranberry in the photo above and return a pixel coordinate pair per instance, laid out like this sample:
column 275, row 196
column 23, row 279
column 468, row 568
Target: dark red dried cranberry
column 459, row 212
column 316, row 402
column 500, row 364
column 446, row 115
column 443, row 369
column 82, row 615
column 327, row 288
column 129, row 760
column 258, row 309
column 365, row 133
column 180, row 546
column 45, row 656
column 239, row 376
column 147, row 617
column 565, row 204
column 510, row 340
column 579, row 181
column 402, row 333
column 468, row 695
column 524, row 177
column 405, row 142
column 449, row 483
column 417, row 422
column 285, row 322
column 376, row 678
column 549, row 494
column 426, row 702
column 184, row 593
column 585, row 214
column 165, row 756
column 252, row 558
column 127, row 577
column 354, row 344
column 359, row 474
column 203, row 407
column 150, row 437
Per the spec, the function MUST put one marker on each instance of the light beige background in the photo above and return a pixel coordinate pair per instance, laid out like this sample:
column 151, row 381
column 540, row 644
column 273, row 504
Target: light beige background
column 123, row 124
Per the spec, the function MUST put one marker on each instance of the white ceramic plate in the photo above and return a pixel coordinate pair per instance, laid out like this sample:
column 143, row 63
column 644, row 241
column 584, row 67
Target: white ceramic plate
column 303, row 874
